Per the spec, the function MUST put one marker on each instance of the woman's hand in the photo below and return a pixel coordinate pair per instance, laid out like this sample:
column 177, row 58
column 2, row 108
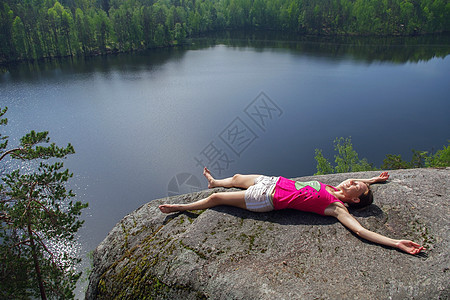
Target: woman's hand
column 381, row 178
column 409, row 247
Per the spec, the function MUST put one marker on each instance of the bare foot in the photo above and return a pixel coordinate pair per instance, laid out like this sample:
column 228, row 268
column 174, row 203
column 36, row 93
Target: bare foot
column 167, row 208
column 209, row 177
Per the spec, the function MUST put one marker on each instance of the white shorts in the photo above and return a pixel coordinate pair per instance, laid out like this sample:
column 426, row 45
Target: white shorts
column 258, row 197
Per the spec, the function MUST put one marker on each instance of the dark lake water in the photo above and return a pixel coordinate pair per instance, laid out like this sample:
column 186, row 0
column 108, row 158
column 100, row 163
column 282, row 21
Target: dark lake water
column 144, row 124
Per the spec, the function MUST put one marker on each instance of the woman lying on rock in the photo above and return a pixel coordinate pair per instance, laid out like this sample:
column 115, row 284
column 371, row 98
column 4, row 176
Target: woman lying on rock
column 265, row 193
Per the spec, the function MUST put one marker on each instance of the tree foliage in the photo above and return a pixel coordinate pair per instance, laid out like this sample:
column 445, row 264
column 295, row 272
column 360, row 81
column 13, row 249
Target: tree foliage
column 419, row 159
column 38, row 220
column 323, row 165
column 440, row 159
column 347, row 159
column 52, row 28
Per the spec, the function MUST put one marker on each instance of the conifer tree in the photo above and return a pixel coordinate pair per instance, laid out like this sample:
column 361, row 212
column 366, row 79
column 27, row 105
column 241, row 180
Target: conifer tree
column 37, row 216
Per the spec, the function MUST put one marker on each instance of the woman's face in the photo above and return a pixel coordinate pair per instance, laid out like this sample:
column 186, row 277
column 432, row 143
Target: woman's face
column 353, row 188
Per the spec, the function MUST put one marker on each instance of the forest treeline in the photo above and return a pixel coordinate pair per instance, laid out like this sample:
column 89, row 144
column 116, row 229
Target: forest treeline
column 347, row 159
column 33, row 29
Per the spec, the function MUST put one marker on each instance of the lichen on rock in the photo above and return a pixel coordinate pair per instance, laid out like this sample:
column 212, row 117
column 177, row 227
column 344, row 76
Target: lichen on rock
column 229, row 253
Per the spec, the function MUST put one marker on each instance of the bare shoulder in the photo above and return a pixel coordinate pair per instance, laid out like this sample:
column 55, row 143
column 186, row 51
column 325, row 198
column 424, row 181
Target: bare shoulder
column 335, row 209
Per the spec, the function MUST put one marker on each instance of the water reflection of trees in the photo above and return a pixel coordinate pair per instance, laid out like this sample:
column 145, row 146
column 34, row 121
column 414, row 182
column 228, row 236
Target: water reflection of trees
column 368, row 49
column 103, row 64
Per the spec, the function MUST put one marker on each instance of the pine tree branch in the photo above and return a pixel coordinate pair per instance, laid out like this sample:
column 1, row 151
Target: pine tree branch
column 5, row 218
column 46, row 249
column 30, row 199
column 9, row 152
column 50, row 213
column 7, row 200
column 26, row 242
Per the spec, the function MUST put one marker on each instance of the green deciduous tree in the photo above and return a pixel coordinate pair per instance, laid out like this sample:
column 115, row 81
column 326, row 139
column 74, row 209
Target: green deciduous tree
column 394, row 162
column 102, row 30
column 62, row 28
column 6, row 44
column 19, row 38
column 419, row 159
column 37, row 216
column 84, row 26
column 440, row 159
column 323, row 165
column 346, row 159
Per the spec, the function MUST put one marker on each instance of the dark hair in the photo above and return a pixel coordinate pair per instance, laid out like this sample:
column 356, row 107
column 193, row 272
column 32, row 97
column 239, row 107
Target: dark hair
column 365, row 199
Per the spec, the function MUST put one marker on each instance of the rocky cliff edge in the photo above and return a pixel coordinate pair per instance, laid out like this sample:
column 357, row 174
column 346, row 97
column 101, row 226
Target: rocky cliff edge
column 229, row 253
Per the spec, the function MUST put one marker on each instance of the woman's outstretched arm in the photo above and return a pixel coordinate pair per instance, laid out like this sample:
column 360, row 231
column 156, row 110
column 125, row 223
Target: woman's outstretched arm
column 380, row 178
column 342, row 214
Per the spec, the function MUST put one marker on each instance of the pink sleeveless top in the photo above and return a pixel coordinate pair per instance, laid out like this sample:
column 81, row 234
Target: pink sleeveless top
column 310, row 196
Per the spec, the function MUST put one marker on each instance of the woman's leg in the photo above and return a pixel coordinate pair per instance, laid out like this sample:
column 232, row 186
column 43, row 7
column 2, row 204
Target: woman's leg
column 238, row 180
column 236, row 199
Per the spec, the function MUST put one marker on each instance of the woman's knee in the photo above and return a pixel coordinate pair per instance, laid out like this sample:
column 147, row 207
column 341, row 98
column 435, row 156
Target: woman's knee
column 244, row 181
column 237, row 178
column 215, row 199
